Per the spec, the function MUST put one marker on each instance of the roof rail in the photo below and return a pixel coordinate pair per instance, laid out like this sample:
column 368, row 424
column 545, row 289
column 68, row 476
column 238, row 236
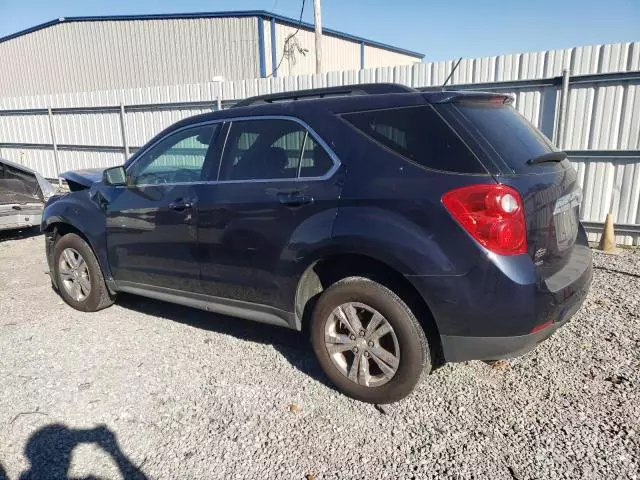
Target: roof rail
column 362, row 89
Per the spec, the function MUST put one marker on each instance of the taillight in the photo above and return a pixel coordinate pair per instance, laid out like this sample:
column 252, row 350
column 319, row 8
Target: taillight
column 491, row 214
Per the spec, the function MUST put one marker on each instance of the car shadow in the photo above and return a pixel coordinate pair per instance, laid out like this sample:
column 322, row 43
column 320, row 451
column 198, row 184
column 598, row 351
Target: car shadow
column 19, row 234
column 49, row 451
column 294, row 346
column 3, row 473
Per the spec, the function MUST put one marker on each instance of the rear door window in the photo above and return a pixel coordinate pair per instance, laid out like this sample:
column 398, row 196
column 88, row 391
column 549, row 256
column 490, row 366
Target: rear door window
column 272, row 149
column 315, row 159
column 418, row 134
column 262, row 150
column 504, row 132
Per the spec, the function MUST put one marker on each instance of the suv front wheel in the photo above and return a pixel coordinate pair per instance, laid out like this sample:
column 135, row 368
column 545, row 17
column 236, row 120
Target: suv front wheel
column 368, row 341
column 78, row 275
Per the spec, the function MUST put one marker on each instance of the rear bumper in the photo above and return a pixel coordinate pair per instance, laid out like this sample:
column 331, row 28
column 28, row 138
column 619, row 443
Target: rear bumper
column 463, row 348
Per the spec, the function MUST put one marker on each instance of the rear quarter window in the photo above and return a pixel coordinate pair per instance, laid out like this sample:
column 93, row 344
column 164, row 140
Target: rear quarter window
column 419, row 134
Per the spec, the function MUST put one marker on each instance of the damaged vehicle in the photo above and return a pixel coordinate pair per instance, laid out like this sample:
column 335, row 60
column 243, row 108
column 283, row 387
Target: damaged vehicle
column 23, row 194
column 399, row 229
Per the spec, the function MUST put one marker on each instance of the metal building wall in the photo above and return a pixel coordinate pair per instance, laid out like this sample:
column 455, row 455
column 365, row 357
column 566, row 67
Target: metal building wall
column 269, row 55
column 379, row 57
column 337, row 54
column 102, row 55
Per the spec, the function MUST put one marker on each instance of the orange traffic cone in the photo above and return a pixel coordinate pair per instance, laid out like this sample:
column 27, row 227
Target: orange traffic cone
column 608, row 237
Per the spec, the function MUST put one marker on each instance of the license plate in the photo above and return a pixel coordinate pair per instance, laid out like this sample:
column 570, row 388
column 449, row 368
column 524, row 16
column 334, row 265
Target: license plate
column 565, row 218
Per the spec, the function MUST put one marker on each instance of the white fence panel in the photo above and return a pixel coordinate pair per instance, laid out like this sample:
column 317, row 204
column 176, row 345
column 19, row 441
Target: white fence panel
column 33, row 128
column 77, row 160
column 607, row 109
column 630, row 121
column 602, row 116
column 40, row 160
column 141, row 126
column 421, row 75
column 610, row 185
column 88, row 129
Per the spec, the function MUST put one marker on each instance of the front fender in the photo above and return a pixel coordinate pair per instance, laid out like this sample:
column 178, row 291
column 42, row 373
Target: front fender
column 78, row 210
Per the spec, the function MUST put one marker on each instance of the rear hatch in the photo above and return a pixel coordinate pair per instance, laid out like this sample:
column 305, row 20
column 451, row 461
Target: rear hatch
column 520, row 156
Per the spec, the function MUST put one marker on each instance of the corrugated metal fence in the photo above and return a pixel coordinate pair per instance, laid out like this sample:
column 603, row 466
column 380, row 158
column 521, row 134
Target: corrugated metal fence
column 597, row 121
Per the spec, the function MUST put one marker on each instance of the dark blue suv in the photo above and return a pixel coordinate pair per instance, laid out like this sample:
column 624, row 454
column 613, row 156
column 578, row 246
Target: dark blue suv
column 400, row 228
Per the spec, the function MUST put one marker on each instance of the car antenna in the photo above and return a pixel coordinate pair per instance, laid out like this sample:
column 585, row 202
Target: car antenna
column 451, row 74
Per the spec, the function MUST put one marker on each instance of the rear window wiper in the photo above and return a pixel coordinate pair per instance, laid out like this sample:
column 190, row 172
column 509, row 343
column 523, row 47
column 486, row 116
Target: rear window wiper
column 548, row 157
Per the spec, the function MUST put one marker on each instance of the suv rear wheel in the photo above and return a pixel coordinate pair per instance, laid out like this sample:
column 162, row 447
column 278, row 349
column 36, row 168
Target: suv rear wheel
column 78, row 275
column 368, row 341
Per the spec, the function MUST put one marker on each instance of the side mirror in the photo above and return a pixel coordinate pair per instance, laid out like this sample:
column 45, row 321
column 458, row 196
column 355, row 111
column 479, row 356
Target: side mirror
column 114, row 176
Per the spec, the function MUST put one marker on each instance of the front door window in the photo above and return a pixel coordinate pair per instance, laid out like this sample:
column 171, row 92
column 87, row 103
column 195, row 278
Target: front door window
column 179, row 158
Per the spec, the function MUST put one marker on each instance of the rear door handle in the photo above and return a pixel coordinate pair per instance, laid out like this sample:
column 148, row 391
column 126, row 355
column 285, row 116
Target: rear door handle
column 294, row 199
column 180, row 205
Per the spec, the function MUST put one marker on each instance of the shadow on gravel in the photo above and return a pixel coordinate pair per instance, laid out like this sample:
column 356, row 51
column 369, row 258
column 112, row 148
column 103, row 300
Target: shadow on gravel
column 6, row 235
column 3, row 473
column 294, row 346
column 49, row 451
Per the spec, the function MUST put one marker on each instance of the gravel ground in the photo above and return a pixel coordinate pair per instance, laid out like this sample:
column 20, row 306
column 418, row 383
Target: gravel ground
column 161, row 391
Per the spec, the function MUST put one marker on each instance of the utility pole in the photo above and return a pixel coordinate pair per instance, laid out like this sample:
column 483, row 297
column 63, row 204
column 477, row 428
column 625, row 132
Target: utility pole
column 317, row 20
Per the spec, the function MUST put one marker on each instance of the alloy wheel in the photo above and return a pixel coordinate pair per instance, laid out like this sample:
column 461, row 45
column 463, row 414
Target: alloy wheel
column 362, row 344
column 74, row 274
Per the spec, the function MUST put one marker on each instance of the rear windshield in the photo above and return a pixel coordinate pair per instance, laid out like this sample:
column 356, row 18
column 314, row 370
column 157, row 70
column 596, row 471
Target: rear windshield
column 506, row 133
column 418, row 134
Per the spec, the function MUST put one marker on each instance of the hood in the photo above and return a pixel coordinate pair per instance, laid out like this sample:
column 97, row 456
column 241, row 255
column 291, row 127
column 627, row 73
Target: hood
column 19, row 184
column 81, row 179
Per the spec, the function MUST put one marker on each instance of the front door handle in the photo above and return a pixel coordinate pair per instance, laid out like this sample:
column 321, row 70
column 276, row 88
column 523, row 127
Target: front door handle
column 294, row 199
column 180, row 205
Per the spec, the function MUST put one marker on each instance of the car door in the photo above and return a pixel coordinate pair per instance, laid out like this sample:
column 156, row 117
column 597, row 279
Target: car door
column 152, row 222
column 276, row 195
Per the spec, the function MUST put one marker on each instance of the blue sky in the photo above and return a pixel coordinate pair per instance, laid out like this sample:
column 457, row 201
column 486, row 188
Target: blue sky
column 440, row 29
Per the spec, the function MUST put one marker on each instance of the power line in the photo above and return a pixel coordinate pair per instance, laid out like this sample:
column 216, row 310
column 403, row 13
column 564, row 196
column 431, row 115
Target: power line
column 286, row 42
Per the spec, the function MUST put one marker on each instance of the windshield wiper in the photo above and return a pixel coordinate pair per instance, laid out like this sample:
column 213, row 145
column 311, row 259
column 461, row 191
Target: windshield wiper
column 548, row 157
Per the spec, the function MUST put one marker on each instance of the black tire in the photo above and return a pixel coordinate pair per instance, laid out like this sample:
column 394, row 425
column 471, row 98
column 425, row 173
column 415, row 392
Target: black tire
column 99, row 296
column 414, row 355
